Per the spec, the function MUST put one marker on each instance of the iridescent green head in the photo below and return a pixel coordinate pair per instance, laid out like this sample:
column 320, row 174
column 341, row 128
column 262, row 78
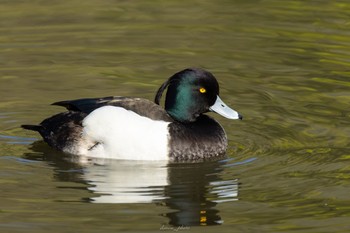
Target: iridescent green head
column 192, row 92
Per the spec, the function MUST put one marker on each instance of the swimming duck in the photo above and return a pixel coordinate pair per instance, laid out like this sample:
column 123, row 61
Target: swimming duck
column 138, row 129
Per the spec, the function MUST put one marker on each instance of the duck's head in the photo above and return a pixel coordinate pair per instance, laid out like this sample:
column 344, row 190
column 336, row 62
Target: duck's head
column 192, row 92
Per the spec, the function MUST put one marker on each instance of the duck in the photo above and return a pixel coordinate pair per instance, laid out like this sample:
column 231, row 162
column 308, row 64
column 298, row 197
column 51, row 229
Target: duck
column 131, row 128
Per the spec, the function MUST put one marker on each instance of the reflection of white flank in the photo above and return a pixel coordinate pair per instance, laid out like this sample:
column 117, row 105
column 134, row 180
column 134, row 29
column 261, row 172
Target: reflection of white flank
column 226, row 190
column 127, row 181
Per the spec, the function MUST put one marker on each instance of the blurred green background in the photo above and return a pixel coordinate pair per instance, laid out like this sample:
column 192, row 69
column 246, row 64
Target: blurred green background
column 284, row 65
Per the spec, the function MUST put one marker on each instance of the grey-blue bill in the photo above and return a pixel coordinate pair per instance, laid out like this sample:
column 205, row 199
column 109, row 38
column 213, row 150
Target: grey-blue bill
column 222, row 109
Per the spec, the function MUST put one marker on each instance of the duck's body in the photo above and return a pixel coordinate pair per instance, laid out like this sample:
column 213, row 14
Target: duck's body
column 138, row 129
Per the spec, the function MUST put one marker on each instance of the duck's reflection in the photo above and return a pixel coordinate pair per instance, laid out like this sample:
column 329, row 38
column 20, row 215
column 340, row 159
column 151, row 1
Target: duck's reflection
column 191, row 191
column 194, row 192
column 126, row 181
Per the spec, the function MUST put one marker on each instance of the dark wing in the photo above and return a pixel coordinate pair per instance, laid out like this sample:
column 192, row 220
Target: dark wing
column 85, row 105
column 140, row 106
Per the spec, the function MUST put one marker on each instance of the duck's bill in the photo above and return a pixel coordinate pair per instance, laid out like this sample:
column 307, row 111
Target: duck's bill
column 222, row 109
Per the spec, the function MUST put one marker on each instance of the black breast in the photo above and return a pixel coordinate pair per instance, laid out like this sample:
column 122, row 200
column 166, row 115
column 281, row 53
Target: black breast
column 202, row 140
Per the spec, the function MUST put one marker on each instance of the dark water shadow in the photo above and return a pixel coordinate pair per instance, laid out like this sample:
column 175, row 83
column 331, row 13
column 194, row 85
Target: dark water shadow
column 191, row 191
column 195, row 190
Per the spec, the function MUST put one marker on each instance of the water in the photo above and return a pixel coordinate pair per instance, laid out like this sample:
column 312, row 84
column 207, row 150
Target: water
column 283, row 64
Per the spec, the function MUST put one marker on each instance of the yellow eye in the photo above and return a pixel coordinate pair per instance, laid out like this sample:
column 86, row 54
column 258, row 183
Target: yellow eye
column 202, row 90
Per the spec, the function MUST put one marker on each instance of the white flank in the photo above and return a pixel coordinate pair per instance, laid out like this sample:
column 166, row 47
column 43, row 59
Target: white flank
column 123, row 134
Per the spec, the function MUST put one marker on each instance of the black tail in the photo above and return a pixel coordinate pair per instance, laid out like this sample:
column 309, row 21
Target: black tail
column 32, row 127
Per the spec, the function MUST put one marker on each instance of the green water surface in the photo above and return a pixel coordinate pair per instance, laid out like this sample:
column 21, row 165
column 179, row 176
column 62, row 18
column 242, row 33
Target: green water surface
column 284, row 65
